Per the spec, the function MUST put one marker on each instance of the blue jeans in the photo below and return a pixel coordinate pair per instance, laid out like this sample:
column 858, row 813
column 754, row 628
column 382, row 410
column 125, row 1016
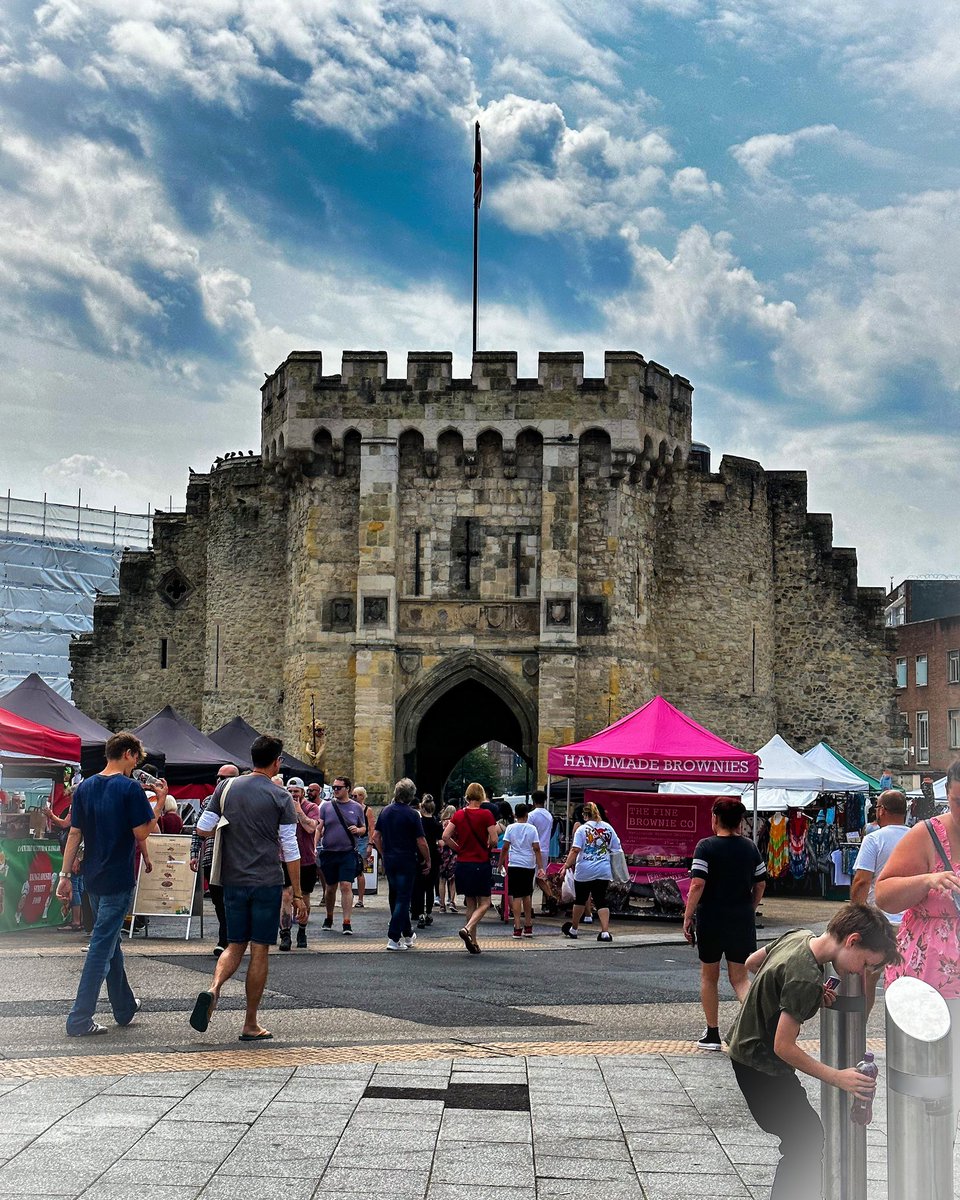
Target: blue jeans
column 104, row 960
column 401, row 877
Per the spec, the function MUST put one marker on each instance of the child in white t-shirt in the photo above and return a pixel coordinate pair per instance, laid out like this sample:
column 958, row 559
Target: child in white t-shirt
column 523, row 860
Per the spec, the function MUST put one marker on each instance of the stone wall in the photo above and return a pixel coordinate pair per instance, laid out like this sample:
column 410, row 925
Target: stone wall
column 117, row 674
column 832, row 668
column 713, row 600
column 247, row 596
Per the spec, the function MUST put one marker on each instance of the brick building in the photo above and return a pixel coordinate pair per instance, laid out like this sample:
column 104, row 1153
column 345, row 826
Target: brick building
column 431, row 563
column 927, row 671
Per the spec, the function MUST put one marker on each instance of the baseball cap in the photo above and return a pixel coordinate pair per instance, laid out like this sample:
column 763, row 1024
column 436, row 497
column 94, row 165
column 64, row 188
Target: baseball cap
column 294, row 781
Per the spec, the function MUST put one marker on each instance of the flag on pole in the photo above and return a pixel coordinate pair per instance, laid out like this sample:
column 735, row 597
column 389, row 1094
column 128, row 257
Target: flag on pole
column 477, row 170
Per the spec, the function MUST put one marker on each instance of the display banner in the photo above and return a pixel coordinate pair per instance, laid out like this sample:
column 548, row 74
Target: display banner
column 29, row 871
column 654, row 829
column 167, row 891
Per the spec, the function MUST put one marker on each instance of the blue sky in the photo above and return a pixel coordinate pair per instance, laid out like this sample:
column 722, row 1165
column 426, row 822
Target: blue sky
column 763, row 197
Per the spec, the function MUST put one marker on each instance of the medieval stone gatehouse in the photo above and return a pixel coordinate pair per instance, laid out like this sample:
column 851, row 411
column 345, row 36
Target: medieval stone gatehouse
column 431, row 562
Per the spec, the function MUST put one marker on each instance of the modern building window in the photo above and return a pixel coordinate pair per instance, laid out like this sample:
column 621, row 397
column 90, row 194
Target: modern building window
column 953, row 666
column 923, row 737
column 953, row 728
column 921, row 670
column 901, row 672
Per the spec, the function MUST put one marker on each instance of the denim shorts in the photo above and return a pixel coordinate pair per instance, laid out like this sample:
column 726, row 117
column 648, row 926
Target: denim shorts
column 253, row 914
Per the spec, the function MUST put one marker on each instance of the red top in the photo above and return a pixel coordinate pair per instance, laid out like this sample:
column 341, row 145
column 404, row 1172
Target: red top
column 471, row 825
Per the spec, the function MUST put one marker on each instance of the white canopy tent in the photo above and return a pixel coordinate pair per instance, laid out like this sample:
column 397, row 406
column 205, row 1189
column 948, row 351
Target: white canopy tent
column 787, row 780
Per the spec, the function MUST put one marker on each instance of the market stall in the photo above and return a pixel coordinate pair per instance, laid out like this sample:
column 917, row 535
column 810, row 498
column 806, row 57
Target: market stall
column 35, row 700
column 657, row 743
column 236, row 738
column 28, row 864
column 809, row 814
column 191, row 758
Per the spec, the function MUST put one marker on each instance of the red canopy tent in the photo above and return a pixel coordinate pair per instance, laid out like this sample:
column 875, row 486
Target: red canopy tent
column 656, row 742
column 18, row 736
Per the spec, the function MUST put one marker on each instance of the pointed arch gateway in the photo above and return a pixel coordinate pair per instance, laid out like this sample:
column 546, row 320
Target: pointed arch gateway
column 466, row 700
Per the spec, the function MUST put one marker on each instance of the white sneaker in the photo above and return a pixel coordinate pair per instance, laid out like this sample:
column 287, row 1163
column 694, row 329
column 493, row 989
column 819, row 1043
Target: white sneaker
column 587, row 920
column 401, row 945
column 409, row 941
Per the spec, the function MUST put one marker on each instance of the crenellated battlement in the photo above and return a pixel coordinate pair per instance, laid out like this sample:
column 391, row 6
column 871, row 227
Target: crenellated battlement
column 644, row 409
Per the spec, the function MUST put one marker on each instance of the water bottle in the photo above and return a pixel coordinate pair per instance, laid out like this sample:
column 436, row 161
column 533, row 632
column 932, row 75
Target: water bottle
column 861, row 1111
column 146, row 779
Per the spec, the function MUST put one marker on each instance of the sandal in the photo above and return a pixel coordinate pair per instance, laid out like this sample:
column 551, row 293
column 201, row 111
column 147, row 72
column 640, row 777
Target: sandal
column 358, row 904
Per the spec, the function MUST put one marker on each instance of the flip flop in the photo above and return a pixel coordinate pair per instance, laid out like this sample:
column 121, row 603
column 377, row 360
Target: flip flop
column 200, row 1017
column 255, row 1037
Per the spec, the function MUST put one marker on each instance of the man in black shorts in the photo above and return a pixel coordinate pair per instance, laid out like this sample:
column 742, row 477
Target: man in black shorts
column 728, row 877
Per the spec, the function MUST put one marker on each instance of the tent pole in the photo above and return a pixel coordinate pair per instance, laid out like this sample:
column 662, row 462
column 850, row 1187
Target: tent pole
column 756, row 785
column 568, row 814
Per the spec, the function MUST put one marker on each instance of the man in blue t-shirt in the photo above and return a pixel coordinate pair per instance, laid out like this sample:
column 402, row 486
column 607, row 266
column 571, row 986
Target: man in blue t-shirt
column 110, row 815
column 401, row 844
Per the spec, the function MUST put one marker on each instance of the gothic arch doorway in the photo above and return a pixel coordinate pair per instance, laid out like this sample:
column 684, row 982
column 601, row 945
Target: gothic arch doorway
column 465, row 701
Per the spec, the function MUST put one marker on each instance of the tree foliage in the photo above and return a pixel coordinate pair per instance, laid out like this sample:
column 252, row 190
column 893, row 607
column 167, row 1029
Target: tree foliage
column 479, row 766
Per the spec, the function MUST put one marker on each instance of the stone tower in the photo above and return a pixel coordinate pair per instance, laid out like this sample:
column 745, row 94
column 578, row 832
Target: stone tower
column 429, row 563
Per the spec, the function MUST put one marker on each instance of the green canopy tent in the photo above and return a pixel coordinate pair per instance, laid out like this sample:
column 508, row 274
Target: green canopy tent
column 824, row 755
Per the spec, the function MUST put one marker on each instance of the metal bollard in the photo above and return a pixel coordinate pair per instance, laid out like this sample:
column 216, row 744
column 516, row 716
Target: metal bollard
column 920, row 1116
column 843, row 1042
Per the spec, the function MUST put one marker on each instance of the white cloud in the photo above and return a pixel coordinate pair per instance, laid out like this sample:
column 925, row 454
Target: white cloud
column 888, row 306
column 887, row 46
column 758, row 154
column 82, row 468
column 692, row 183
column 586, row 180
column 685, row 307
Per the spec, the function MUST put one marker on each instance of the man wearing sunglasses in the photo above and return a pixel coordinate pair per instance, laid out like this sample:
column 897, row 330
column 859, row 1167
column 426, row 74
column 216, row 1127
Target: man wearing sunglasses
column 340, row 826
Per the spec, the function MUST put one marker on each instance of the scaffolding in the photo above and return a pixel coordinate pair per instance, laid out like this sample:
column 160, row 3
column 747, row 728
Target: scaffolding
column 55, row 559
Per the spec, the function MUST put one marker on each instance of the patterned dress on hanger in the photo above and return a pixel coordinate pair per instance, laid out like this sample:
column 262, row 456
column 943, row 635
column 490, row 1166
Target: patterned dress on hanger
column 778, row 856
column 797, row 826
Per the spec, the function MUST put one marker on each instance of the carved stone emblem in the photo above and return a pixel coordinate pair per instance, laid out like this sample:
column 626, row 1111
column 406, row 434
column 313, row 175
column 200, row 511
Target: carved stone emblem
column 531, row 666
column 341, row 613
column 375, row 610
column 558, row 612
column 409, row 662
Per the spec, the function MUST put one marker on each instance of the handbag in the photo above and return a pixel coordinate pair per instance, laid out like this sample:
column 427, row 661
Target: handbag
column 618, row 867
column 568, row 892
column 359, row 863
column 216, row 860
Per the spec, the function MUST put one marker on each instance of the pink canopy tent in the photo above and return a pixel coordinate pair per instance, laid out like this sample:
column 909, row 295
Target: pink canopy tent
column 657, row 742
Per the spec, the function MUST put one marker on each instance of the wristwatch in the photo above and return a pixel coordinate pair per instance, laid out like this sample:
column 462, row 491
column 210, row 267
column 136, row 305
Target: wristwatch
column 64, row 874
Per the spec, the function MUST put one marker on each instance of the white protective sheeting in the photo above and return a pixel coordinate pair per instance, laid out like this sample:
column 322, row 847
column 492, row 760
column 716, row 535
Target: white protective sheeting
column 47, row 590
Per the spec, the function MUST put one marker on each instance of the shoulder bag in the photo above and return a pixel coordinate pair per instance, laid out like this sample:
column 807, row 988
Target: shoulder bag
column 360, row 864
column 947, row 864
column 216, row 860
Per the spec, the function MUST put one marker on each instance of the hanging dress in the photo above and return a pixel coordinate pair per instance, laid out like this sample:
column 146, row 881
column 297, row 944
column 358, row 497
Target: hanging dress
column 778, row 855
column 798, row 826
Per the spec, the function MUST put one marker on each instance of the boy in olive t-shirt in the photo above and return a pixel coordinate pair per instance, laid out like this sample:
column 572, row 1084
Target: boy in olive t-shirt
column 788, row 990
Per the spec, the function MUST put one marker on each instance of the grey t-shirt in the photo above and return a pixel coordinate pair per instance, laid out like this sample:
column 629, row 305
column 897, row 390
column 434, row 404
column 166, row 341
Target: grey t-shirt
column 255, row 808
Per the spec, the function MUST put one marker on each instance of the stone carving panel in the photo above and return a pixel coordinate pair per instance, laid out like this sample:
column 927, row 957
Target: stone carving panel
column 444, row 616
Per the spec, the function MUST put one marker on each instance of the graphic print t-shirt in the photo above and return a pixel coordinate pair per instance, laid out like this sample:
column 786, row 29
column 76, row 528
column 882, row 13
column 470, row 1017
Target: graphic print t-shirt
column 596, row 841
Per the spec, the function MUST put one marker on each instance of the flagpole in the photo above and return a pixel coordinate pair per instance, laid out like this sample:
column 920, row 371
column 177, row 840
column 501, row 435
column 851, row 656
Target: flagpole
column 477, row 195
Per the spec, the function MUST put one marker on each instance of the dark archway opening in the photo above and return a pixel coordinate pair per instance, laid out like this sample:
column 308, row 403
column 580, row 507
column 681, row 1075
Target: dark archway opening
column 465, row 716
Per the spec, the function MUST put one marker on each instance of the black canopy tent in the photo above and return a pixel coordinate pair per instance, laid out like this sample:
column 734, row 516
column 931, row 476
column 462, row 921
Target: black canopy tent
column 191, row 757
column 236, row 738
column 35, row 700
